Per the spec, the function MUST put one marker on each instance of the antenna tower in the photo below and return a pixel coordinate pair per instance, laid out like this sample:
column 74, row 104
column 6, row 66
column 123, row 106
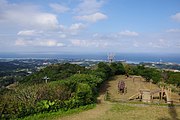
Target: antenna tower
column 111, row 57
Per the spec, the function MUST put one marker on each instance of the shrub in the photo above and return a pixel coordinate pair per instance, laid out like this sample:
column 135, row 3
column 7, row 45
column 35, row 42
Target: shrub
column 84, row 94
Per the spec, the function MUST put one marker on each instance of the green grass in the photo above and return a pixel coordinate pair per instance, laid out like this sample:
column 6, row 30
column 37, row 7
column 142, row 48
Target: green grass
column 58, row 114
column 122, row 108
column 130, row 112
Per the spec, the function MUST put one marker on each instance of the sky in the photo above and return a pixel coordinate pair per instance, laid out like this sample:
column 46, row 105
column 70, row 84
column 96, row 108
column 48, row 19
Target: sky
column 90, row 26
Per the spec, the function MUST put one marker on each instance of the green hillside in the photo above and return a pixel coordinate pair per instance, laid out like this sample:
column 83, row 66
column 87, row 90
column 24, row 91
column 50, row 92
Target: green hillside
column 69, row 87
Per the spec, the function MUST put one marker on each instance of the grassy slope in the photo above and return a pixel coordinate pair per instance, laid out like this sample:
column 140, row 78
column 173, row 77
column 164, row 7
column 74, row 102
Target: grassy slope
column 118, row 111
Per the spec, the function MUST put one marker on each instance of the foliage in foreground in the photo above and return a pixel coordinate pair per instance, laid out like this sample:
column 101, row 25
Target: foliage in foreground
column 58, row 94
column 67, row 88
column 60, row 113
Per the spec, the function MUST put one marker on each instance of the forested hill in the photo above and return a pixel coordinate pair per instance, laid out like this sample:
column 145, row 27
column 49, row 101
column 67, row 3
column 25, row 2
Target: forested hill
column 54, row 72
column 69, row 86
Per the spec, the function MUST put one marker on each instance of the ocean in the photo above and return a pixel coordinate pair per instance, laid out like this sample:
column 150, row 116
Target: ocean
column 129, row 57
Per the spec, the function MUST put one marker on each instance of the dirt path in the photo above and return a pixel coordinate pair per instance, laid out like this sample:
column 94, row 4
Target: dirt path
column 91, row 114
column 101, row 108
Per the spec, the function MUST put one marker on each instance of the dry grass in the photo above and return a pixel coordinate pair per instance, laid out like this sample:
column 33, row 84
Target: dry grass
column 127, row 112
column 132, row 88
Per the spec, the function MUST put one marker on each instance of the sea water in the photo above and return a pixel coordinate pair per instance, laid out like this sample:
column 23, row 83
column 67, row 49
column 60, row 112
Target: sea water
column 129, row 57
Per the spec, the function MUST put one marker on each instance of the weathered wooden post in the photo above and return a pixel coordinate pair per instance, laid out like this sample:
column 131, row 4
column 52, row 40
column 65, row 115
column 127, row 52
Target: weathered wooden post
column 161, row 93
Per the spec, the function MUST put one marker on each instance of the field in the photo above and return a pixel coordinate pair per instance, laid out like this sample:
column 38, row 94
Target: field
column 107, row 110
column 127, row 112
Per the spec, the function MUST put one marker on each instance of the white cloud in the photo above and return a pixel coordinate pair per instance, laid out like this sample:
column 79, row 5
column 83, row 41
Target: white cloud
column 89, row 6
column 128, row 33
column 173, row 30
column 89, row 11
column 59, row 8
column 79, row 43
column 21, row 42
column 119, row 36
column 176, row 17
column 29, row 32
column 45, row 43
column 60, row 44
column 62, row 35
column 92, row 17
column 26, row 15
column 46, row 19
column 75, row 28
column 160, row 43
column 89, row 43
column 48, row 43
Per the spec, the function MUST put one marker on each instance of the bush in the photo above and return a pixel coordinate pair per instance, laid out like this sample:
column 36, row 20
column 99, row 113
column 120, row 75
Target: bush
column 84, row 94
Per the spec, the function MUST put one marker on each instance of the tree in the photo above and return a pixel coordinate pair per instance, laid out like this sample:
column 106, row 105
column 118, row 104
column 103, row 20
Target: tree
column 129, row 69
column 54, row 72
column 104, row 67
column 117, row 68
column 114, row 68
column 121, row 69
column 174, row 78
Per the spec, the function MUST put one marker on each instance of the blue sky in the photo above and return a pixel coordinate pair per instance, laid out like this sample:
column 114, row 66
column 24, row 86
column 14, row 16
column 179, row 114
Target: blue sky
column 90, row 26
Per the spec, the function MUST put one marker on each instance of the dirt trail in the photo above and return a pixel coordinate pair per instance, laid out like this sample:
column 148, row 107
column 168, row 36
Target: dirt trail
column 101, row 108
